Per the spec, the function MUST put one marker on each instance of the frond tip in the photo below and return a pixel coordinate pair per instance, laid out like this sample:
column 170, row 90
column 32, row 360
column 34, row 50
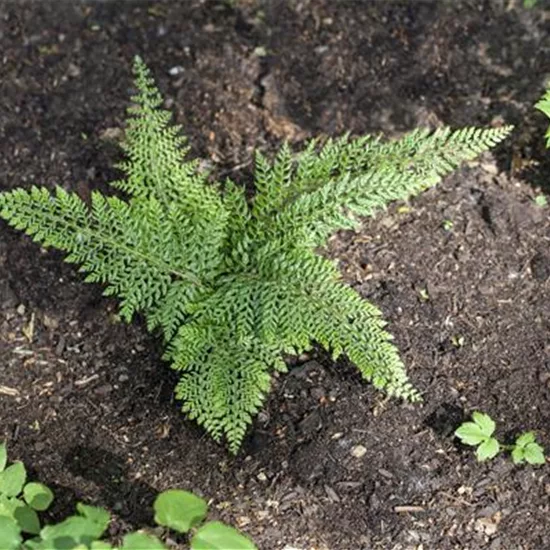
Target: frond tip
column 232, row 282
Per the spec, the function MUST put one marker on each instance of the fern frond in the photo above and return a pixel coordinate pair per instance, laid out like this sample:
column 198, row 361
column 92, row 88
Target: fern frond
column 131, row 249
column 395, row 172
column 227, row 386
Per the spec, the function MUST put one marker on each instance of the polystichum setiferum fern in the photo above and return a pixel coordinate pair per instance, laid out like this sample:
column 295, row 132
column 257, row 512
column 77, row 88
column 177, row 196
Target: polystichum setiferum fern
column 233, row 283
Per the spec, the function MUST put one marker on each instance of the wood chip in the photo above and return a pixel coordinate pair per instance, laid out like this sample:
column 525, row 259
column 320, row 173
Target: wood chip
column 408, row 508
column 4, row 390
column 84, row 381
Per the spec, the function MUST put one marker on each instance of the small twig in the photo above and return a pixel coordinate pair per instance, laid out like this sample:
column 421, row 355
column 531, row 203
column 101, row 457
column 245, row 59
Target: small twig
column 408, row 508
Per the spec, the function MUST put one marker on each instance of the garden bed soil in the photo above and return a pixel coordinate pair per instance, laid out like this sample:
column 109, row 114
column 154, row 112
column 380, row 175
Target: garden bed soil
column 461, row 273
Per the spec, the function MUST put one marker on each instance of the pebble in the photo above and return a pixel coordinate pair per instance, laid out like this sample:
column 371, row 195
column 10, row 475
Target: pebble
column 358, row 451
column 175, row 71
column 73, row 70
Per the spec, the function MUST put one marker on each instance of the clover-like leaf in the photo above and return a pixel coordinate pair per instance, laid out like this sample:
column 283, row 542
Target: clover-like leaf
column 488, row 449
column 179, row 510
column 12, row 479
column 215, row 535
column 141, row 541
column 470, row 434
column 10, row 534
column 3, row 456
column 37, row 496
column 485, row 422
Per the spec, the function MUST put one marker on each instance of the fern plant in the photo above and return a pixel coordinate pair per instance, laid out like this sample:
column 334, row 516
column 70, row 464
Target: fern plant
column 234, row 283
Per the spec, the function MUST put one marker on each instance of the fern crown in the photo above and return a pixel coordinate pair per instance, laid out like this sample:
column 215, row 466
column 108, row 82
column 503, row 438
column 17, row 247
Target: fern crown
column 233, row 283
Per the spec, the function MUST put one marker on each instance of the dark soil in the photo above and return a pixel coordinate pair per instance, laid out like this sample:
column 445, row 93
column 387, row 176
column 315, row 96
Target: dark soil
column 87, row 402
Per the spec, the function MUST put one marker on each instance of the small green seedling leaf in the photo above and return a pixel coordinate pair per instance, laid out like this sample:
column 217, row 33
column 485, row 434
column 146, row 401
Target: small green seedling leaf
column 3, row 457
column 447, row 225
column 526, row 449
column 524, row 439
column 478, row 433
column 488, row 449
column 544, row 106
column 470, row 434
column 141, row 541
column 98, row 515
column 38, row 496
column 27, row 519
column 485, row 422
column 215, row 535
column 12, row 479
column 540, row 201
column 534, row 454
column 179, row 510
column 73, row 531
column 10, row 534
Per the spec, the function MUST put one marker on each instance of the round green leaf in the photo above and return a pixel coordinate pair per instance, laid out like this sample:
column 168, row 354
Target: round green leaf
column 27, row 519
column 141, row 541
column 3, row 456
column 12, row 479
column 179, row 510
column 534, row 454
column 215, row 535
column 37, row 496
column 10, row 534
column 488, row 449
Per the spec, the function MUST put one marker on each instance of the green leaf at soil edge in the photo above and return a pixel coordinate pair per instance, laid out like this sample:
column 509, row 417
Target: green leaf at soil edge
column 179, row 510
column 27, row 519
column 10, row 534
column 37, row 496
column 485, row 422
column 215, row 535
column 3, row 456
column 98, row 515
column 141, row 541
column 488, row 449
column 470, row 434
column 12, row 479
column 73, row 531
